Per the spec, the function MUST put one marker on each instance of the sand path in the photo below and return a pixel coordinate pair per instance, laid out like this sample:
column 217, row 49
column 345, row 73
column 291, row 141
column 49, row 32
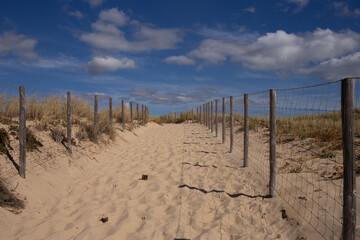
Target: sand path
column 195, row 190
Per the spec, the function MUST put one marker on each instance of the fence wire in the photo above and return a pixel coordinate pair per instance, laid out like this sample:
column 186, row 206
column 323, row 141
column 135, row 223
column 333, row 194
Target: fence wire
column 46, row 114
column 309, row 155
column 309, row 148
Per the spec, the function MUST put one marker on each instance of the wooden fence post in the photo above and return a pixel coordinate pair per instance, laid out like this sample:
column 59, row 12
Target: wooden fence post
column 206, row 118
column 204, row 114
column 348, row 136
column 131, row 115
column 96, row 117
column 123, row 115
column 69, row 121
column 199, row 116
column 192, row 115
column 216, row 118
column 137, row 115
column 208, row 114
column 272, row 183
column 223, row 120
column 110, row 111
column 142, row 114
column 246, row 130
column 146, row 114
column 211, row 117
column 231, row 124
column 22, row 132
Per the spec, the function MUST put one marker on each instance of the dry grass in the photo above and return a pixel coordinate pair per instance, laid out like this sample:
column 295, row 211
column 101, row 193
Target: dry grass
column 180, row 118
column 50, row 113
column 117, row 113
column 324, row 129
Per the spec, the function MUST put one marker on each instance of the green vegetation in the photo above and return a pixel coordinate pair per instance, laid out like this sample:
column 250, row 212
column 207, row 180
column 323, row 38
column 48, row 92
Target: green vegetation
column 4, row 141
column 32, row 143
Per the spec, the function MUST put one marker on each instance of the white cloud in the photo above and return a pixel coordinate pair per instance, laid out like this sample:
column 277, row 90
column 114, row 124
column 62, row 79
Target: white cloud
column 106, row 28
column 138, row 92
column 171, row 98
column 281, row 51
column 76, row 13
column 336, row 68
column 18, row 45
column 113, row 15
column 342, row 9
column 250, row 9
column 95, row 3
column 179, row 60
column 300, row 3
column 238, row 34
column 216, row 51
column 58, row 62
column 103, row 64
column 107, row 34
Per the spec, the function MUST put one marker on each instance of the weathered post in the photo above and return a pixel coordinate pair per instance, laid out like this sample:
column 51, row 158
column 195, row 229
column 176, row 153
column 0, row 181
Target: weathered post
column 208, row 114
column 231, row 124
column 22, row 132
column 348, row 136
column 211, row 117
column 96, row 117
column 110, row 111
column 123, row 115
column 131, row 115
column 187, row 116
column 204, row 114
column 68, row 117
column 200, row 115
column 137, row 115
column 246, row 130
column 216, row 117
column 192, row 115
column 197, row 114
column 223, row 120
column 142, row 114
column 272, row 183
column 146, row 114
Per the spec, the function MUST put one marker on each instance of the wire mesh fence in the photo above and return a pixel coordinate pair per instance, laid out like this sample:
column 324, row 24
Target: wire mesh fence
column 309, row 141
column 309, row 148
column 47, row 116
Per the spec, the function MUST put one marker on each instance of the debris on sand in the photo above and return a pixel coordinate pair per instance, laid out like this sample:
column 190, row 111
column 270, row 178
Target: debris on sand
column 283, row 214
column 104, row 219
column 144, row 177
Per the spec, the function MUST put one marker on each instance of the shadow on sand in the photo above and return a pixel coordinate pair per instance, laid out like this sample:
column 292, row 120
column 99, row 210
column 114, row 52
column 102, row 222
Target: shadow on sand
column 235, row 195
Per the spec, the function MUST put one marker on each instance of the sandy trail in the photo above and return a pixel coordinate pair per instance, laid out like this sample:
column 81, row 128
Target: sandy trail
column 195, row 190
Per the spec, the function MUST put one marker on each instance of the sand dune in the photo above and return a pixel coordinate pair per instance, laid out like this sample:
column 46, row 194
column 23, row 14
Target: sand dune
column 195, row 190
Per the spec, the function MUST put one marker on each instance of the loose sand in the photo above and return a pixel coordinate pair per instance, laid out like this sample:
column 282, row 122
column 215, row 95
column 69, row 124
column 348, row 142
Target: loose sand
column 195, row 189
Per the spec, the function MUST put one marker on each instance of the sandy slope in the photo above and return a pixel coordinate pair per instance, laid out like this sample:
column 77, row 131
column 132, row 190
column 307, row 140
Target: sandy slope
column 195, row 190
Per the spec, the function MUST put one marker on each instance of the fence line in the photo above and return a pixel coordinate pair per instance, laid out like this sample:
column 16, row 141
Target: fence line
column 303, row 142
column 52, row 110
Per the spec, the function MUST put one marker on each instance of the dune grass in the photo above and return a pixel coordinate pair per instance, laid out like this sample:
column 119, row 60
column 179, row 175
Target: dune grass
column 50, row 112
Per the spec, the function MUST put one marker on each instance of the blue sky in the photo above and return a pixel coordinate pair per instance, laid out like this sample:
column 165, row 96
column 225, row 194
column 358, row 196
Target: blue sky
column 174, row 55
